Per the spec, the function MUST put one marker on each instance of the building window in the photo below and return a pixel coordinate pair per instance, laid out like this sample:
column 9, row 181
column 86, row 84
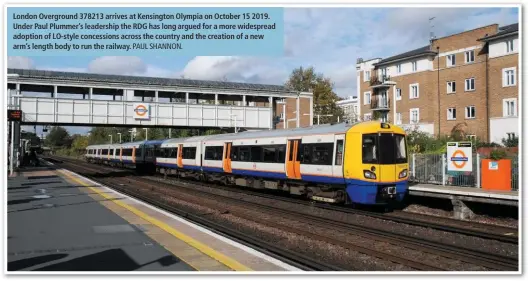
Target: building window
column 470, row 112
column 509, row 107
column 509, row 46
column 282, row 116
column 367, row 116
column 451, row 60
column 398, row 118
column 414, row 66
column 414, row 91
column 472, row 137
column 470, row 56
column 451, row 87
column 451, row 113
column 398, row 94
column 414, row 115
column 398, row 68
column 510, row 135
column 367, row 75
column 508, row 77
column 470, row 84
column 366, row 99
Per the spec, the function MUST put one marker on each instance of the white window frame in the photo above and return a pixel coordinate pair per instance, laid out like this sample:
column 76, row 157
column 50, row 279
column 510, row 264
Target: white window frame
column 282, row 116
column 466, row 111
column 466, row 84
column 472, row 137
column 510, row 135
column 417, row 110
column 414, row 66
column 450, row 87
column 505, row 108
column 398, row 68
column 505, row 78
column 398, row 120
column 398, row 94
column 509, row 46
column 467, row 56
column 417, row 91
column 450, row 60
column 367, row 115
column 365, row 98
column 449, row 113
column 366, row 77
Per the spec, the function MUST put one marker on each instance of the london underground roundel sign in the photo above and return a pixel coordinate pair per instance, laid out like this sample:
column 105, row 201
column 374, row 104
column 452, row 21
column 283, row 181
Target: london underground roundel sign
column 141, row 111
column 459, row 156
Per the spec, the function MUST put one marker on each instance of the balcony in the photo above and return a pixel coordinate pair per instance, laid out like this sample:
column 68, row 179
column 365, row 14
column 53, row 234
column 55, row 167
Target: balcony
column 381, row 81
column 381, row 103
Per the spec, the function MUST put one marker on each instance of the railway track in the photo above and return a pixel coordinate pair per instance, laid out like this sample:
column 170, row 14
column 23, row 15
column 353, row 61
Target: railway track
column 489, row 260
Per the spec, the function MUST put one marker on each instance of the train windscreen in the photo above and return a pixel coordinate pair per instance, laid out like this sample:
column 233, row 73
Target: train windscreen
column 384, row 148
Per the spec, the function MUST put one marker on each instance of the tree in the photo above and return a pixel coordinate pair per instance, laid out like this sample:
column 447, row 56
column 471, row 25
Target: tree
column 58, row 137
column 324, row 98
column 511, row 142
column 79, row 143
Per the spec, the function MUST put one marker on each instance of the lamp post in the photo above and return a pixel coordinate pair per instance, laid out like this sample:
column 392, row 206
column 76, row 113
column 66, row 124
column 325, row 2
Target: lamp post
column 283, row 102
column 231, row 115
column 131, row 135
column 110, row 138
column 119, row 134
column 146, row 133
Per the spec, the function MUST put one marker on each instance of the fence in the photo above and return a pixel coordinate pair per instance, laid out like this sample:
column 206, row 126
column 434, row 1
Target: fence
column 432, row 169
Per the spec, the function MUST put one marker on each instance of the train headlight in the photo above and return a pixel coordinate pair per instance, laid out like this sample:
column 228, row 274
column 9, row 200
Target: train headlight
column 369, row 175
column 403, row 174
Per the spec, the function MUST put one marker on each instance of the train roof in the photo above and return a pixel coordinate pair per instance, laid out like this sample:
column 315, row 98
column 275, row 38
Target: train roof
column 314, row 130
column 154, row 142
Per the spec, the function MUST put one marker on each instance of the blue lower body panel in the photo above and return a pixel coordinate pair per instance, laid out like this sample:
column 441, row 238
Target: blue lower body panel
column 363, row 192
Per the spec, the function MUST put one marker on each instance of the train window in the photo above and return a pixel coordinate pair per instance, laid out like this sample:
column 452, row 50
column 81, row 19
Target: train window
column 339, row 153
column 105, row 152
column 234, row 153
column 112, row 151
column 269, row 154
column 244, row 153
column 317, row 153
column 281, row 149
column 290, row 154
column 299, row 154
column 256, row 154
column 127, row 152
column 189, row 153
column 138, row 152
column 213, row 152
column 392, row 149
column 369, row 149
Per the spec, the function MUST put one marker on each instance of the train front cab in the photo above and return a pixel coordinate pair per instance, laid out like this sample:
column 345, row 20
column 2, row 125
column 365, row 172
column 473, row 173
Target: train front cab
column 376, row 166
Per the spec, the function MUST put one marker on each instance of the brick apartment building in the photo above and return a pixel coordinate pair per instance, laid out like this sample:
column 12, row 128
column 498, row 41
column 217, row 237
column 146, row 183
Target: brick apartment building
column 468, row 79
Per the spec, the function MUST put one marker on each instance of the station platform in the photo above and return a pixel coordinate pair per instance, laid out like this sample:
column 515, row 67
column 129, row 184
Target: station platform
column 60, row 221
column 472, row 194
column 460, row 196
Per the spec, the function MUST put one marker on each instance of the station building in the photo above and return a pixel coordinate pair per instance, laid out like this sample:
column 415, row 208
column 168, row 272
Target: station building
column 468, row 79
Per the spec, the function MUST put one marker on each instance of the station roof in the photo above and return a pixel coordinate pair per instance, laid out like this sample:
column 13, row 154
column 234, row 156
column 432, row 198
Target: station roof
column 152, row 81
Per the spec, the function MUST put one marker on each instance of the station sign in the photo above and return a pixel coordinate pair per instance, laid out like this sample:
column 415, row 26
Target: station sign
column 141, row 111
column 459, row 156
column 14, row 115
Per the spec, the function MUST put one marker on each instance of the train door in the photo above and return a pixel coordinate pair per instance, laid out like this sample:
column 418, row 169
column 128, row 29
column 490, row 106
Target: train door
column 227, row 157
column 339, row 156
column 293, row 159
column 180, row 156
column 121, row 155
column 133, row 154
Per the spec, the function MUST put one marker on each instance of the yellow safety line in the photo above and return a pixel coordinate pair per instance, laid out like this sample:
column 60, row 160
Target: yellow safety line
column 227, row 261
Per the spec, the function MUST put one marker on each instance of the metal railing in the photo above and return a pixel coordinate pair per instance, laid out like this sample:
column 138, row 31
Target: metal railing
column 378, row 80
column 432, row 169
column 380, row 103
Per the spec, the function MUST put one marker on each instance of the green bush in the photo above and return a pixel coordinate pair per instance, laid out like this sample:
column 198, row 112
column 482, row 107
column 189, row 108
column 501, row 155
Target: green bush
column 497, row 154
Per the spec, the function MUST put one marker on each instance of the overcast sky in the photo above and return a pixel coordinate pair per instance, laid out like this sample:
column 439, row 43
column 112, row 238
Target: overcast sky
column 329, row 39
